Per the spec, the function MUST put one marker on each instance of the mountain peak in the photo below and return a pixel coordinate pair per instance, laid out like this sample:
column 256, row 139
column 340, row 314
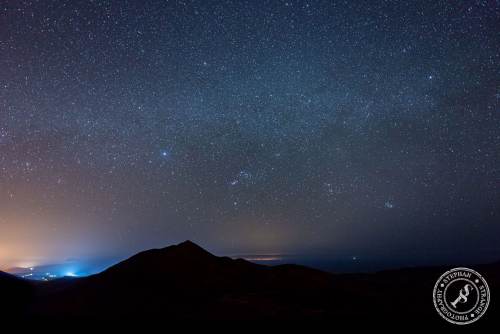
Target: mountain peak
column 188, row 244
column 164, row 260
column 189, row 248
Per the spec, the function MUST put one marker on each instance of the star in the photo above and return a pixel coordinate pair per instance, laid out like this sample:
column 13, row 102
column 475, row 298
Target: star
column 164, row 153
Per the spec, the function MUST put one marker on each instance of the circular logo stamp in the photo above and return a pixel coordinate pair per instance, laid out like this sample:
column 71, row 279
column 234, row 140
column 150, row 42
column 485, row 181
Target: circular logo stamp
column 461, row 296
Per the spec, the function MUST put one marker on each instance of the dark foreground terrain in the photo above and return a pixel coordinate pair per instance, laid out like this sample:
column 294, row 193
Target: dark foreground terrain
column 189, row 283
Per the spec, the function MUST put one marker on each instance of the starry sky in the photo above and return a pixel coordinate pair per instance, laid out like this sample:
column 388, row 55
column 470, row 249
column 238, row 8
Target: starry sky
column 366, row 128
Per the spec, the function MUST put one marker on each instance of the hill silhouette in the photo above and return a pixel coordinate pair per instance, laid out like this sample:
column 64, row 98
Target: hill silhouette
column 185, row 281
column 15, row 295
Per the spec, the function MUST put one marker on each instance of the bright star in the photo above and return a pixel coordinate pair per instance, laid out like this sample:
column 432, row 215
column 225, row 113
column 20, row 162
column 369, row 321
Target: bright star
column 165, row 153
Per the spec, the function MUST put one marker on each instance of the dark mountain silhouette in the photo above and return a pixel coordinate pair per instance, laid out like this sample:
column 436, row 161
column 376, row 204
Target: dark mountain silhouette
column 186, row 282
column 15, row 294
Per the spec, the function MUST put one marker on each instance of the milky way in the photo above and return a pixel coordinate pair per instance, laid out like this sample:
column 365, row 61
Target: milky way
column 356, row 127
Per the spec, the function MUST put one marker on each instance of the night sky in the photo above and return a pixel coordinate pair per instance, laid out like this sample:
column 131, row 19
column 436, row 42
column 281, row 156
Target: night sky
column 345, row 128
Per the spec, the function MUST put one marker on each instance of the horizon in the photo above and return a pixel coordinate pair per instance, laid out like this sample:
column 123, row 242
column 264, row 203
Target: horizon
column 326, row 262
